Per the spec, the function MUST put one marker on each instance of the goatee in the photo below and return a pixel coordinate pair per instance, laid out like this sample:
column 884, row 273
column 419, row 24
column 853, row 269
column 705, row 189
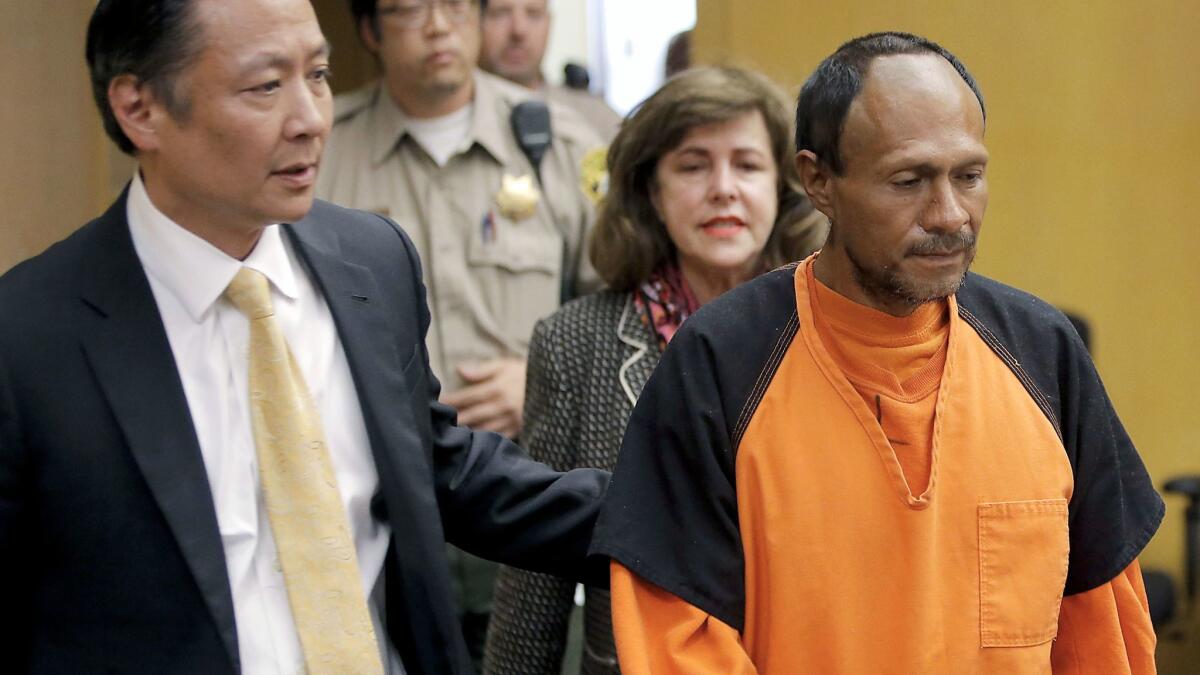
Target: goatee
column 893, row 289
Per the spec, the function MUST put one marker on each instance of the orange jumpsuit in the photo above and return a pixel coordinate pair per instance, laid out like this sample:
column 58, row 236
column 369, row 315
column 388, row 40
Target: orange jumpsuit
column 901, row 500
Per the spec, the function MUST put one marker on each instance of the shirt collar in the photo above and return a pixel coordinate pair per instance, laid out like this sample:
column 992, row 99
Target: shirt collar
column 192, row 270
column 489, row 129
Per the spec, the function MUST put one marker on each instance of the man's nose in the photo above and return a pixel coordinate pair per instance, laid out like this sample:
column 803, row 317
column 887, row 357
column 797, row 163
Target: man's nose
column 310, row 114
column 945, row 211
column 438, row 20
column 519, row 27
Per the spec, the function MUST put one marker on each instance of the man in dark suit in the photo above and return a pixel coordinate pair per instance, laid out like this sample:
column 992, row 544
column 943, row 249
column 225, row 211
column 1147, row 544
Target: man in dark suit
column 135, row 532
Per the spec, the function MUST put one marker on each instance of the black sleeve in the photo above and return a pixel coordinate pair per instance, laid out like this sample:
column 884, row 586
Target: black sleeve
column 15, row 536
column 1114, row 509
column 671, row 515
column 495, row 501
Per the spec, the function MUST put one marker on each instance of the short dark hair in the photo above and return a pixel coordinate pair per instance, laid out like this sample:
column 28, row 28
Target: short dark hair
column 153, row 40
column 826, row 97
column 629, row 240
column 367, row 9
column 362, row 9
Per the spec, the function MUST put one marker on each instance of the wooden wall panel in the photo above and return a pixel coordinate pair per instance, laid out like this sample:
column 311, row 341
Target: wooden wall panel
column 352, row 64
column 56, row 167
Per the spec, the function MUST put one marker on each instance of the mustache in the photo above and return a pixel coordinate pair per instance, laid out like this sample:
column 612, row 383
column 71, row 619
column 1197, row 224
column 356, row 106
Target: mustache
column 944, row 243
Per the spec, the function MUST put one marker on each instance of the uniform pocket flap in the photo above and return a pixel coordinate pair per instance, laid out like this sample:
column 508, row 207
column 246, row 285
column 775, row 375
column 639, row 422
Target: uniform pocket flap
column 515, row 246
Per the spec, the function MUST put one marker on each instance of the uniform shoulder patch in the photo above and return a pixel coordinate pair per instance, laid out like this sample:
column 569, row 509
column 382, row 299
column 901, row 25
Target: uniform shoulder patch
column 593, row 173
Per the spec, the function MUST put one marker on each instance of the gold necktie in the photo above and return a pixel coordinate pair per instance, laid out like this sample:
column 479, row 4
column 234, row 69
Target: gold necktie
column 316, row 549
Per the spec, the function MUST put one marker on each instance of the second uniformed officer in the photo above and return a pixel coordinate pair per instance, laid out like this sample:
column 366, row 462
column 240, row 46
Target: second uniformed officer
column 431, row 145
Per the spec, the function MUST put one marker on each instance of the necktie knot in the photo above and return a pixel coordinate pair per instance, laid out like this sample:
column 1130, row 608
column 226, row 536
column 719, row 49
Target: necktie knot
column 250, row 293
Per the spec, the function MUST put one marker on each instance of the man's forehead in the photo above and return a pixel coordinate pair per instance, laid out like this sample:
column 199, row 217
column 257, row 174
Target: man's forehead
column 251, row 33
column 907, row 96
column 231, row 22
column 911, row 72
column 269, row 56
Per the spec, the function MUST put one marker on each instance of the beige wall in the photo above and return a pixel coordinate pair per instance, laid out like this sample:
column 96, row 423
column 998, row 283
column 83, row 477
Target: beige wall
column 56, row 168
column 1094, row 131
column 352, row 64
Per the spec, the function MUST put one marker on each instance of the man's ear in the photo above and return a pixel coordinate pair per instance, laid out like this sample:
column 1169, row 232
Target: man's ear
column 817, row 179
column 368, row 32
column 136, row 112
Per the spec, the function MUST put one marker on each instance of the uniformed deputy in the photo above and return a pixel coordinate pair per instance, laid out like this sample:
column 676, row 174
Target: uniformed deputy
column 515, row 34
column 431, row 146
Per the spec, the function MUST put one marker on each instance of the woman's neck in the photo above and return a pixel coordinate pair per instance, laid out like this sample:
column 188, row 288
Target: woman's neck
column 708, row 283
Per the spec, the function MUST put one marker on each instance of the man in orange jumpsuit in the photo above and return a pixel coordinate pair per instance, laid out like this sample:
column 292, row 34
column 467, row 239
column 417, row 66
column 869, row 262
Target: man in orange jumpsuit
column 873, row 461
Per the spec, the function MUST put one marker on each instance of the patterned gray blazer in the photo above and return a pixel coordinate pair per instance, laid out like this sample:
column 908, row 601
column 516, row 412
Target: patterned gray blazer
column 588, row 363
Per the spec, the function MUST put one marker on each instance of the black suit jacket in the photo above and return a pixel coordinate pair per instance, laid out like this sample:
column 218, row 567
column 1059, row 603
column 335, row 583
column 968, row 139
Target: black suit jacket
column 110, row 556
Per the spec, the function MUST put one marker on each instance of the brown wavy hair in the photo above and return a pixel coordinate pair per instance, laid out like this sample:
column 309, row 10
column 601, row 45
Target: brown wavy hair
column 629, row 240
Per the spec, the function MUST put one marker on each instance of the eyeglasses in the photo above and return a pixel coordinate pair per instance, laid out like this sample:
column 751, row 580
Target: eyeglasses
column 415, row 14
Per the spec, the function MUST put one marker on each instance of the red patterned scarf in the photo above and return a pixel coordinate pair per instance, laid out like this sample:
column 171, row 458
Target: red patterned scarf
column 665, row 301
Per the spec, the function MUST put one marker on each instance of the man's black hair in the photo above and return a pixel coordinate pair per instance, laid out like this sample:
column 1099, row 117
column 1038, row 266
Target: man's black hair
column 366, row 9
column 362, row 9
column 826, row 96
column 153, row 40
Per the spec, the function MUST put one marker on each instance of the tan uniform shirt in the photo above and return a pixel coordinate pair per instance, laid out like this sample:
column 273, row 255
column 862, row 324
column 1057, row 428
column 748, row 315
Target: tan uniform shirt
column 490, row 274
column 592, row 108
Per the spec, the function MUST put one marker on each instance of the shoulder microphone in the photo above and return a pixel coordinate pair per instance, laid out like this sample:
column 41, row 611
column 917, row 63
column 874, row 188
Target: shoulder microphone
column 531, row 127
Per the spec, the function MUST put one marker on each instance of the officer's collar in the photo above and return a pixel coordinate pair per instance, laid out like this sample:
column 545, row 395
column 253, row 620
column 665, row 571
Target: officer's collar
column 489, row 129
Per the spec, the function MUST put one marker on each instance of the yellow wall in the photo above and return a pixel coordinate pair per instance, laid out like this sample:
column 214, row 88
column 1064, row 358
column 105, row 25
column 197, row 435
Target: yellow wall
column 352, row 64
column 57, row 169
column 1094, row 131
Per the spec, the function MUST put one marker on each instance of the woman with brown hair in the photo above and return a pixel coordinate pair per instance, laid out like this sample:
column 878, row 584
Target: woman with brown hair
column 703, row 195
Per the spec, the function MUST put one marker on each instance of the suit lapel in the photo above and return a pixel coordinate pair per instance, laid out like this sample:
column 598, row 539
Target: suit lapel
column 364, row 328
column 640, row 353
column 135, row 367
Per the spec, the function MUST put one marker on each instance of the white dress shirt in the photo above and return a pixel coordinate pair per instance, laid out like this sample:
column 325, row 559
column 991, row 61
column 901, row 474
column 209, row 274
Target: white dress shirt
column 209, row 339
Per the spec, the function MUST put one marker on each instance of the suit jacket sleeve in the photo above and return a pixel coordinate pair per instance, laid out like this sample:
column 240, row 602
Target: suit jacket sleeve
column 495, row 501
column 14, row 534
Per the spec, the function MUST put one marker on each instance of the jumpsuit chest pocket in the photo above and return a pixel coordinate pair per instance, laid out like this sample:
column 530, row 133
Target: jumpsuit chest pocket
column 1023, row 553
